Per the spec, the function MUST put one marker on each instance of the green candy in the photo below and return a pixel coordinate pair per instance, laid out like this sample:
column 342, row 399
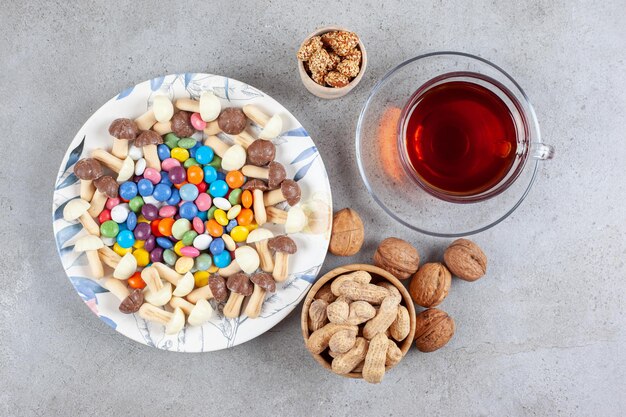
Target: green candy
column 169, row 257
column 216, row 162
column 171, row 140
column 136, row 203
column 190, row 162
column 188, row 237
column 210, row 214
column 235, row 196
column 187, row 143
column 203, row 262
column 179, row 228
column 109, row 229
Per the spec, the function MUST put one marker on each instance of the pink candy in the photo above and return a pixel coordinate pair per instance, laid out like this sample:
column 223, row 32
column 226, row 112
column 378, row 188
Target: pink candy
column 152, row 175
column 168, row 164
column 203, row 202
column 167, row 211
column 112, row 202
column 198, row 225
column 197, row 122
column 189, row 251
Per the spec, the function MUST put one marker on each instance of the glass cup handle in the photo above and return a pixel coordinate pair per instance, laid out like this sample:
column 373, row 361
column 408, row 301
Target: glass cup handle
column 542, row 151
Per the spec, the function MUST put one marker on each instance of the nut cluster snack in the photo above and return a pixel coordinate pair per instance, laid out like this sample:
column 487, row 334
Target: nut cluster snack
column 358, row 324
column 332, row 59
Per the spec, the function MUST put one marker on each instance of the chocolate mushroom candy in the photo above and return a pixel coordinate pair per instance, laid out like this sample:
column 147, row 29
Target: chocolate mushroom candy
column 271, row 126
column 87, row 170
column 90, row 245
column 123, row 266
column 197, row 313
column 181, row 124
column 184, row 283
column 259, row 238
column 232, row 120
column 122, row 130
column 157, row 293
column 246, row 260
column 216, row 289
column 257, row 187
column 129, row 301
column 263, row 282
column 148, row 141
column 77, row 209
column 125, row 168
column 283, row 246
column 275, row 173
column 173, row 322
column 294, row 220
column 289, row 191
column 106, row 187
column 261, row 152
column 234, row 158
column 240, row 287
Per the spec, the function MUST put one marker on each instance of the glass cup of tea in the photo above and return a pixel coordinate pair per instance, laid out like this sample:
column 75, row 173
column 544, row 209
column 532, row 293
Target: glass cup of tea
column 448, row 144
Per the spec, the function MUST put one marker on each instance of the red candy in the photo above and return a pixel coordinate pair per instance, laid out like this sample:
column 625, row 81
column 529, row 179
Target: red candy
column 104, row 216
column 202, row 187
column 154, row 226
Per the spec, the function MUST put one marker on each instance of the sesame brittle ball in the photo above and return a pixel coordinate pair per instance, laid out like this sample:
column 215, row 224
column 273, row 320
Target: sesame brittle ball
column 336, row 79
column 311, row 46
column 349, row 68
column 318, row 77
column 342, row 42
column 336, row 60
column 320, row 61
column 354, row 55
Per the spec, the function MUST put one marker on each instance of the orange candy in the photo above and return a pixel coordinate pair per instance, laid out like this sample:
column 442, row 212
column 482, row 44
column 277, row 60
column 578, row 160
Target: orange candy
column 181, row 184
column 135, row 281
column 234, row 179
column 195, row 174
column 214, row 228
column 246, row 198
column 245, row 217
column 165, row 226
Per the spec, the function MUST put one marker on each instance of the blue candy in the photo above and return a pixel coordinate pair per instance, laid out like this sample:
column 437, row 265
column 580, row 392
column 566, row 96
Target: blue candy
column 162, row 192
column 164, row 242
column 217, row 246
column 131, row 221
column 210, row 174
column 189, row 192
column 125, row 239
column 174, row 198
column 218, row 188
column 188, row 210
column 204, row 155
column 192, row 151
column 128, row 190
column 231, row 224
column 203, row 215
column 165, row 178
column 145, row 187
column 221, row 176
column 163, row 151
column 222, row 260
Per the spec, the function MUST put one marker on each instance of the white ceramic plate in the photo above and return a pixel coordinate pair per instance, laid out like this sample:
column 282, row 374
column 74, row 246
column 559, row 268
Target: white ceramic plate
column 294, row 149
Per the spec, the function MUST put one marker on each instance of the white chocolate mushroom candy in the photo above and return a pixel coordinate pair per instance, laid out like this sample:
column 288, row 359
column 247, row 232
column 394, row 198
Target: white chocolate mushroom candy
column 90, row 245
column 259, row 237
column 140, row 166
column 127, row 170
column 108, row 241
column 160, row 297
column 210, row 106
column 185, row 285
column 247, row 258
column 126, row 267
column 201, row 313
column 135, row 153
column 176, row 323
column 273, row 128
column 202, row 242
column 296, row 220
column 163, row 108
column 222, row 203
column 234, row 158
column 173, row 322
column 77, row 209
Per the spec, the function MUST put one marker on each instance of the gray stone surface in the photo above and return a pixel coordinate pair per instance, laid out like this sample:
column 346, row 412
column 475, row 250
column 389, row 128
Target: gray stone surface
column 542, row 334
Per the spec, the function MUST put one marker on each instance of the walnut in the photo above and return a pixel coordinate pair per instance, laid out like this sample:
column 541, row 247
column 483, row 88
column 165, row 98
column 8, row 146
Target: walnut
column 465, row 259
column 430, row 284
column 433, row 329
column 347, row 235
column 397, row 257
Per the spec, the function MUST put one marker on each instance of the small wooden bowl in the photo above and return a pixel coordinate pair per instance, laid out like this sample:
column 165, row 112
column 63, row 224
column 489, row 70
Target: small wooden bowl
column 378, row 275
column 330, row 92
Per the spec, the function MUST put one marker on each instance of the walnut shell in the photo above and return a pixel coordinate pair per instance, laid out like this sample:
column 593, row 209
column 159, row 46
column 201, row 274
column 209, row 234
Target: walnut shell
column 347, row 236
column 397, row 257
column 430, row 284
column 465, row 260
column 433, row 329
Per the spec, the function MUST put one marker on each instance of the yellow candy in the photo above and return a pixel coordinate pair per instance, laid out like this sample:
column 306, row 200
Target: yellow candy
column 141, row 219
column 220, row 217
column 177, row 247
column 139, row 244
column 201, row 278
column 251, row 226
column 212, row 269
column 142, row 256
column 183, row 264
column 180, row 154
column 120, row 250
column 239, row 233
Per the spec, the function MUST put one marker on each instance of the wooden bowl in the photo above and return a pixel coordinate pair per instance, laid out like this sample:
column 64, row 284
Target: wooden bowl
column 330, row 92
column 378, row 275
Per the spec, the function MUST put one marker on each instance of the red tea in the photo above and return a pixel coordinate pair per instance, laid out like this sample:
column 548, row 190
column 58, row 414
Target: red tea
column 460, row 138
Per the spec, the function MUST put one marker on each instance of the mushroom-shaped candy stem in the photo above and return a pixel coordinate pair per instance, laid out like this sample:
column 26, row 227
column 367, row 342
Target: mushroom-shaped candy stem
column 244, row 139
column 294, row 220
column 77, row 210
column 87, row 170
column 122, row 130
column 184, row 283
column 246, row 260
column 283, row 246
column 272, row 126
column 261, row 152
column 130, row 301
column 240, row 287
column 162, row 128
column 90, row 245
column 106, row 187
column 109, row 257
column 218, row 145
column 148, row 141
column 275, row 173
column 125, row 168
column 173, row 322
column 212, row 128
column 216, row 289
column 146, row 120
column 257, row 187
column 187, row 104
column 263, row 282
column 289, row 191
column 157, row 292
column 259, row 237
column 197, row 314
